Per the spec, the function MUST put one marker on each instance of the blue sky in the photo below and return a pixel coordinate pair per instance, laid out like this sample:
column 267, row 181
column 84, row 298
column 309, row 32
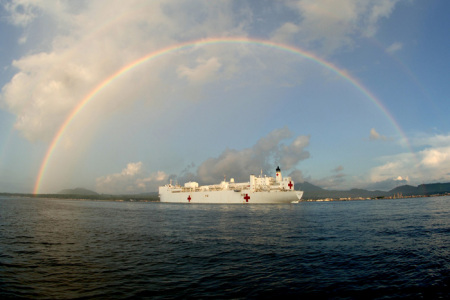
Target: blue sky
column 218, row 109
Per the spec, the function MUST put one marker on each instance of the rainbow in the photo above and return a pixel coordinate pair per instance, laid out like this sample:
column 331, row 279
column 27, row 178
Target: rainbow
column 191, row 44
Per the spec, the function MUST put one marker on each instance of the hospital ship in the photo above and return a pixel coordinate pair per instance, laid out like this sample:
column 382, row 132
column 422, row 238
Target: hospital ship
column 262, row 189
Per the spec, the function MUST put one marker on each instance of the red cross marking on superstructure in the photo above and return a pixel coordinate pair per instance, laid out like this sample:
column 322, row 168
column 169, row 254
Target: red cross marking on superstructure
column 189, row 198
column 290, row 185
column 246, row 197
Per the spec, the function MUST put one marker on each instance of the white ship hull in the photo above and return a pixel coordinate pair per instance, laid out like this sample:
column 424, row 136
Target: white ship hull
column 262, row 190
column 231, row 196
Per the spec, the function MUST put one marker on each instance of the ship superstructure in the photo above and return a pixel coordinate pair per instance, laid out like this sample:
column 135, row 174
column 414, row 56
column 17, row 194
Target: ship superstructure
column 262, row 189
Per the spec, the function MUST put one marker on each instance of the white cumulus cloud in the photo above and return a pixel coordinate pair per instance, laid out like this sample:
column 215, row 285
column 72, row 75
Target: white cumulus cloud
column 132, row 179
column 73, row 46
column 204, row 71
column 431, row 164
column 86, row 42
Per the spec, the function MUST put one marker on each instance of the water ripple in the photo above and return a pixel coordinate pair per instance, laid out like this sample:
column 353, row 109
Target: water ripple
column 347, row 250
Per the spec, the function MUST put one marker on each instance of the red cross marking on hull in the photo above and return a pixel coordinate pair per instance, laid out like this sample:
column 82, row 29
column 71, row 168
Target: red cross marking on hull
column 246, row 197
column 189, row 198
column 290, row 185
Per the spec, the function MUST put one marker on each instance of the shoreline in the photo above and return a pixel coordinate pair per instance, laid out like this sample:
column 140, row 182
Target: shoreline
column 155, row 198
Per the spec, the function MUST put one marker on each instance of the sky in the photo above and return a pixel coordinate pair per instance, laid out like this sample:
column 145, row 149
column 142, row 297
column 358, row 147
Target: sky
column 121, row 97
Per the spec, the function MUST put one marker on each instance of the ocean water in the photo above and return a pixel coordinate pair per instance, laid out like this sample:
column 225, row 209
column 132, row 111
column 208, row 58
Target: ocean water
column 374, row 249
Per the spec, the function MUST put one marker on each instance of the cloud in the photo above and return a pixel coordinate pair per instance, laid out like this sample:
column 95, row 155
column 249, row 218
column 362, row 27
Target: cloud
column 132, row 179
column 334, row 24
column 374, row 135
column 238, row 164
column 338, row 169
column 74, row 46
column 203, row 72
column 435, row 157
column 387, row 184
column 286, row 33
column 335, row 181
column 394, row 47
column 20, row 14
column 378, row 10
column 265, row 155
column 291, row 154
column 438, row 140
column 297, row 176
column 51, row 92
column 431, row 164
column 326, row 22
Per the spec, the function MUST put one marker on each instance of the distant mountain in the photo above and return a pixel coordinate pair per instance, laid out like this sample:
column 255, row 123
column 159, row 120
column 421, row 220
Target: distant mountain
column 406, row 190
column 78, row 191
column 314, row 192
column 423, row 189
column 434, row 188
column 308, row 187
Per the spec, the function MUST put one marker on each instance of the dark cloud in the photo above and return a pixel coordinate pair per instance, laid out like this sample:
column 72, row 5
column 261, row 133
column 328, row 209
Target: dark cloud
column 265, row 155
column 297, row 176
column 333, row 182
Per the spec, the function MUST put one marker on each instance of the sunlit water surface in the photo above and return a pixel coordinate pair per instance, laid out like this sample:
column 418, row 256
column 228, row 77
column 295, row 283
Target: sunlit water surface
column 354, row 249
